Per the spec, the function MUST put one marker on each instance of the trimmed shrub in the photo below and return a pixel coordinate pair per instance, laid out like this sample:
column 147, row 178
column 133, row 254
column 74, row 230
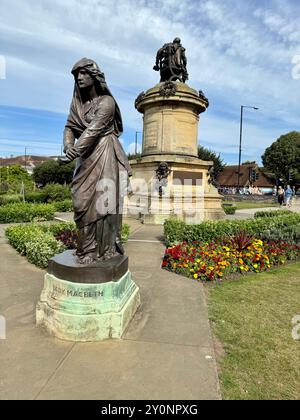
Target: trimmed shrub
column 42, row 248
column 56, row 192
column 125, row 232
column 26, row 212
column 19, row 236
column 10, row 198
column 275, row 213
column 63, row 206
column 177, row 231
column 39, row 243
column 36, row 197
column 229, row 209
column 59, row 227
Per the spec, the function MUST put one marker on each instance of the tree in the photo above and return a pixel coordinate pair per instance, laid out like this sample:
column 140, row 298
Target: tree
column 51, row 172
column 283, row 157
column 12, row 177
column 207, row 154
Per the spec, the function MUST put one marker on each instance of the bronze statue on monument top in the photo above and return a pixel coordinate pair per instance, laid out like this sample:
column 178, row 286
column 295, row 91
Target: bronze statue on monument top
column 171, row 62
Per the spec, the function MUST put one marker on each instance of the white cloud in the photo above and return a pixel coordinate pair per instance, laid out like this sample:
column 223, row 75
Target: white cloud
column 133, row 148
column 238, row 53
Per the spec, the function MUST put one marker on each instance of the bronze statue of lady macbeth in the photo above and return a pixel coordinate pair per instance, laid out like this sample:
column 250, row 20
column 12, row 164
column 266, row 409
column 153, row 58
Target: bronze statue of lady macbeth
column 101, row 175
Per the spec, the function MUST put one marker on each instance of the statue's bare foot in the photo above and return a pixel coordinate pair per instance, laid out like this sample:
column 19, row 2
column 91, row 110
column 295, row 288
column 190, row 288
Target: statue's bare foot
column 110, row 253
column 86, row 259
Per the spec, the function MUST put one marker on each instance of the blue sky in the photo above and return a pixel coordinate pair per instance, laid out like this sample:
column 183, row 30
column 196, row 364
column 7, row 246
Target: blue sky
column 238, row 53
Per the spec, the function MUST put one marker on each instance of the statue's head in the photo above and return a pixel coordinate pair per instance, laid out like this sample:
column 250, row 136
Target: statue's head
column 87, row 72
column 177, row 41
column 163, row 167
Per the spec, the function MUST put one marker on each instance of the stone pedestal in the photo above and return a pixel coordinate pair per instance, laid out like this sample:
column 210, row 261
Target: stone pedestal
column 87, row 310
column 187, row 195
column 171, row 117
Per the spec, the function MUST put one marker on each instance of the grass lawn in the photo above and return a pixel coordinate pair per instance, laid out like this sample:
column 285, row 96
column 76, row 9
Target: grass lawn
column 251, row 318
column 254, row 205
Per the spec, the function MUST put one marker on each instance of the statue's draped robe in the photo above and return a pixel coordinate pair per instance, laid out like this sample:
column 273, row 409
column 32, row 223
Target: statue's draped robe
column 102, row 167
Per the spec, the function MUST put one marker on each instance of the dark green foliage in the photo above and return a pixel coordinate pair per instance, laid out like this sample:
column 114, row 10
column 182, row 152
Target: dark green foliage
column 56, row 192
column 63, row 206
column 10, row 198
column 177, row 231
column 52, row 172
column 206, row 154
column 12, row 177
column 274, row 213
column 36, row 242
column 26, row 212
column 40, row 242
column 35, row 197
column 229, row 209
column 283, row 156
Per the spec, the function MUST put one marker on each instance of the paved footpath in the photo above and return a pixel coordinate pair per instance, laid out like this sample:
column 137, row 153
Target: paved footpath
column 249, row 213
column 166, row 353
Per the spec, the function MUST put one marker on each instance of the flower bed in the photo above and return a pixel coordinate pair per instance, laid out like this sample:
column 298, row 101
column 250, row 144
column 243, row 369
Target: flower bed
column 221, row 258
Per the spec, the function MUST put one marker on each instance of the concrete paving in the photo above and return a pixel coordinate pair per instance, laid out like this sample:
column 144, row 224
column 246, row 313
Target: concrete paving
column 166, row 353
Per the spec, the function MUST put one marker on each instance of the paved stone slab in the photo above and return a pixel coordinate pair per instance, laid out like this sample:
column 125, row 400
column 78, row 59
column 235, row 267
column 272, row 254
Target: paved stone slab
column 165, row 353
column 134, row 370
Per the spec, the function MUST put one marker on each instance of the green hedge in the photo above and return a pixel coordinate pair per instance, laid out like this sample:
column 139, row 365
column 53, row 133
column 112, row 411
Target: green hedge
column 177, row 231
column 275, row 213
column 10, row 198
column 35, row 197
column 26, row 212
column 63, row 206
column 38, row 242
column 56, row 192
column 229, row 209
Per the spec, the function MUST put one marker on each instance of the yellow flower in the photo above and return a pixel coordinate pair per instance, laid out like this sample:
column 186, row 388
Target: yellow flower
column 195, row 276
column 255, row 265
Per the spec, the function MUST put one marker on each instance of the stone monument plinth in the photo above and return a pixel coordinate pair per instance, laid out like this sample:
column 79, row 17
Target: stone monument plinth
column 169, row 180
column 90, row 303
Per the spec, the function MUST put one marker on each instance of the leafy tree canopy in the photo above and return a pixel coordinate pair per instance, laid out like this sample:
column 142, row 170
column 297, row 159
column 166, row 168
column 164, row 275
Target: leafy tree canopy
column 12, row 177
column 207, row 154
column 51, row 172
column 283, row 157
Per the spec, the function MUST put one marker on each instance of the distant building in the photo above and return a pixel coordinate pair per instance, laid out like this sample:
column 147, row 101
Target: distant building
column 28, row 162
column 251, row 175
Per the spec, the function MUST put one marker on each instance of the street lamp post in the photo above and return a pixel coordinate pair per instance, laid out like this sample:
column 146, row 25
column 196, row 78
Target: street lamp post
column 241, row 136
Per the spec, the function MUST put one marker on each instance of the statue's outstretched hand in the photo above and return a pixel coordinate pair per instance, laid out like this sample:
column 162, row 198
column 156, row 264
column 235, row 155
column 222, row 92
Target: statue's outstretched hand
column 71, row 154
